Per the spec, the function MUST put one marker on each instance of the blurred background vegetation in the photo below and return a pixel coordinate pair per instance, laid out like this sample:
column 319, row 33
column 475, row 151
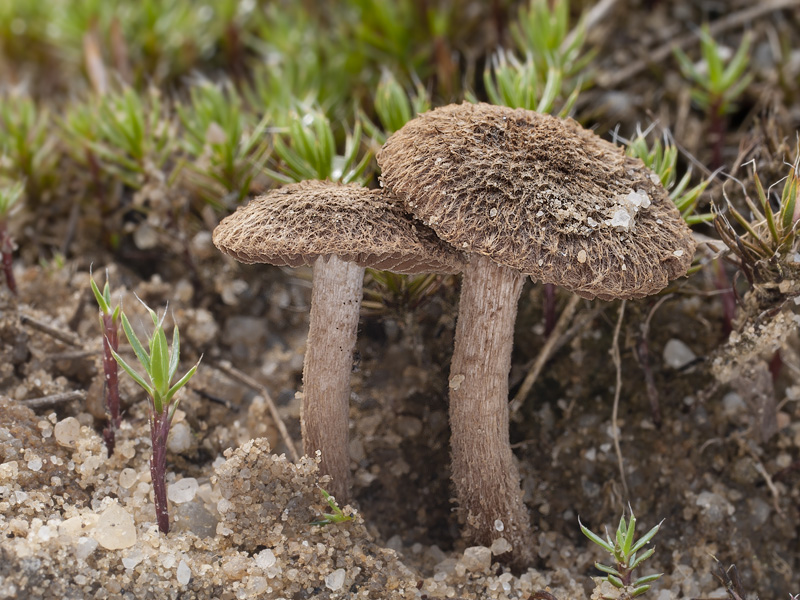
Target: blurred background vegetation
column 138, row 124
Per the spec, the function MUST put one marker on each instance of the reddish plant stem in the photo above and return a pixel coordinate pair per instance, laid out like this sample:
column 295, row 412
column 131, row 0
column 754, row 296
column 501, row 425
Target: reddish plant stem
column 159, row 430
column 7, row 249
column 111, row 381
column 716, row 129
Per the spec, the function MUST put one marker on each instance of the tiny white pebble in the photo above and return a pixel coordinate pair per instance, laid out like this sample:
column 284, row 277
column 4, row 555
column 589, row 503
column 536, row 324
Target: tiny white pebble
column 335, row 580
column 678, row 253
column 498, row 525
column 582, row 256
column 183, row 573
column 493, row 212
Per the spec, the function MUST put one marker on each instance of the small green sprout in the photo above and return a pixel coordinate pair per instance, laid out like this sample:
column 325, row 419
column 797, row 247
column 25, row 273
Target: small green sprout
column 337, row 516
column 717, row 84
column 623, row 549
column 109, row 324
column 160, row 364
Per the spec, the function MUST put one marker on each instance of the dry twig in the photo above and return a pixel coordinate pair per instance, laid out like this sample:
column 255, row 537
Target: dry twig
column 545, row 353
column 618, row 388
column 54, row 332
column 55, row 399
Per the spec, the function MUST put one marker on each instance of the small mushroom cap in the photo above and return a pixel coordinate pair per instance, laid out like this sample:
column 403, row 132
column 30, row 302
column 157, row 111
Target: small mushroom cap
column 541, row 195
column 298, row 223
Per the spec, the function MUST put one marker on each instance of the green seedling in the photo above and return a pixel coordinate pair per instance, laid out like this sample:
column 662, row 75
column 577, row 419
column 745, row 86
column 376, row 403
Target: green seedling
column 542, row 32
column 226, row 143
column 109, row 325
column 718, row 83
column 161, row 365
column 9, row 196
column 135, row 137
column 29, row 144
column 303, row 62
column 518, row 84
column 624, row 550
column 394, row 107
column 307, row 150
column 661, row 157
column 402, row 33
column 157, row 41
column 337, row 516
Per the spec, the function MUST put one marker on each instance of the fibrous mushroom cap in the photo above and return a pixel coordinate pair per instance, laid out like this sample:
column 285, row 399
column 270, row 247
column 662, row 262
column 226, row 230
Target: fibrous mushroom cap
column 298, row 223
column 541, row 195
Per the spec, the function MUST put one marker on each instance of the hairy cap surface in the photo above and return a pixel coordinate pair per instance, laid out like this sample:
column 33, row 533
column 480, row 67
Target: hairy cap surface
column 298, row 223
column 541, row 195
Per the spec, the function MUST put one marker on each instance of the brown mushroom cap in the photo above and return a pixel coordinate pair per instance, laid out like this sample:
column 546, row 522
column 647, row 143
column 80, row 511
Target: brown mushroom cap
column 298, row 223
column 541, row 195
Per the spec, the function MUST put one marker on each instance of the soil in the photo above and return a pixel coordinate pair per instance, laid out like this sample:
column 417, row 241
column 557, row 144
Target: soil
column 715, row 458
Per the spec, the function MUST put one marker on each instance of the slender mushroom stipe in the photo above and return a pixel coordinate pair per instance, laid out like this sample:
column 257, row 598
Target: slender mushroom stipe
column 523, row 193
column 338, row 230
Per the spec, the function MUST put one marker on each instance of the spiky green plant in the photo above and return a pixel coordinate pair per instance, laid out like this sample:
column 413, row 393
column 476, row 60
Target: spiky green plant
column 160, row 363
column 9, row 196
column 717, row 83
column 226, row 142
column 521, row 84
column 394, row 106
column 29, row 144
column 134, row 136
column 542, row 31
column 307, row 150
column 624, row 550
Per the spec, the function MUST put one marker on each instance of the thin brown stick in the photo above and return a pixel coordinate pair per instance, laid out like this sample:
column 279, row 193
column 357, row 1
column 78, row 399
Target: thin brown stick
column 545, row 353
column 643, row 353
column 72, row 355
column 618, row 388
column 54, row 332
column 240, row 377
column 658, row 55
column 53, row 400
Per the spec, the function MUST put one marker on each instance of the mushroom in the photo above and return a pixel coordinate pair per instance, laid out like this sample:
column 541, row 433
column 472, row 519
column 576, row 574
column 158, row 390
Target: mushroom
column 338, row 230
column 523, row 193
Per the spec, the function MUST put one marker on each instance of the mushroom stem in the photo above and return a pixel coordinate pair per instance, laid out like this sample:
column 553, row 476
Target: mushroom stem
column 333, row 323
column 486, row 480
